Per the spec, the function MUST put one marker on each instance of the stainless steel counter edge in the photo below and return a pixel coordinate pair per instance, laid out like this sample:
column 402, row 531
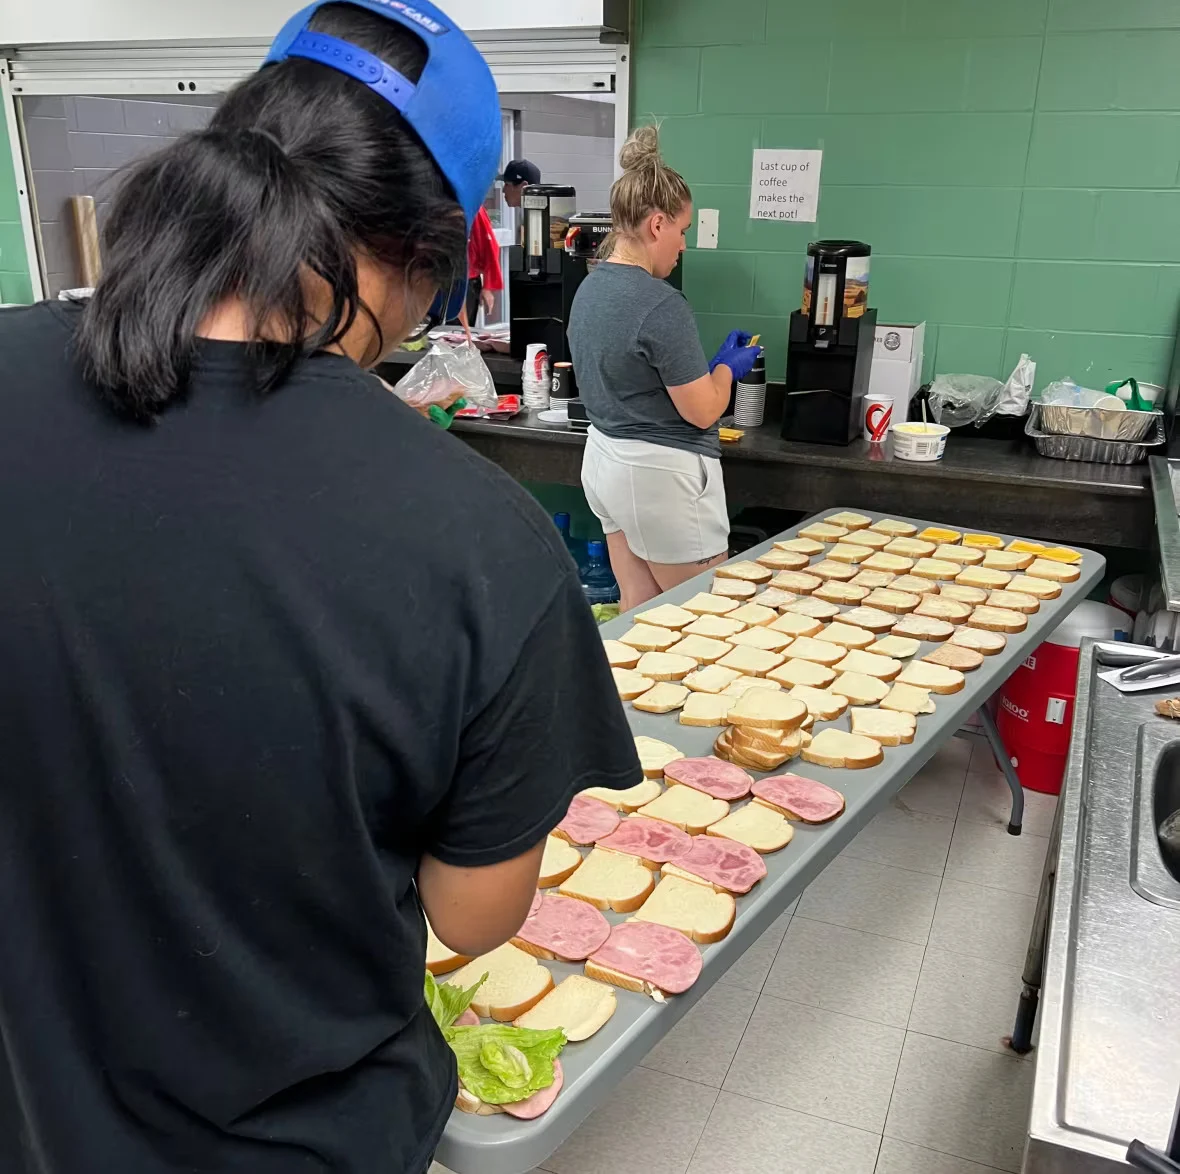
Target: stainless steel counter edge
column 1167, row 526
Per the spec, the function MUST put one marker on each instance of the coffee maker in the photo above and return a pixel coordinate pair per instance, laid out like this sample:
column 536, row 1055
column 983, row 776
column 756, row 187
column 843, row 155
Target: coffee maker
column 830, row 346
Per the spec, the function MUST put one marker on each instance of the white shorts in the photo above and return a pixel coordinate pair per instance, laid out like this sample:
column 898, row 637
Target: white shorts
column 669, row 503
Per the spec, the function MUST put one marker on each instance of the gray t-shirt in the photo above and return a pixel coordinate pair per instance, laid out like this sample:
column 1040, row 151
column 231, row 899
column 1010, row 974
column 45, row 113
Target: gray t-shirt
column 632, row 336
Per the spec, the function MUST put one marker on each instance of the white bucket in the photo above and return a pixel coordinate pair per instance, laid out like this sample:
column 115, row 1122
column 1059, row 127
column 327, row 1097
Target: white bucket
column 919, row 442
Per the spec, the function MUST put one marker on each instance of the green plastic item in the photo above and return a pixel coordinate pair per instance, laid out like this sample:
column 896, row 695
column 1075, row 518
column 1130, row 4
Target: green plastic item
column 1137, row 403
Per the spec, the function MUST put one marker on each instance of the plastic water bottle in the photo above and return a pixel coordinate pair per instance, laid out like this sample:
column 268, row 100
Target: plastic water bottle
column 598, row 580
column 575, row 546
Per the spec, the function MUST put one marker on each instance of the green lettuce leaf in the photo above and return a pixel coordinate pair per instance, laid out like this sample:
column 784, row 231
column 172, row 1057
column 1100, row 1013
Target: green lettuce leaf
column 448, row 1002
column 502, row 1064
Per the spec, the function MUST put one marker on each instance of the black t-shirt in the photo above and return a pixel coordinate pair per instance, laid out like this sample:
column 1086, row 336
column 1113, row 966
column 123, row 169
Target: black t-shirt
column 254, row 661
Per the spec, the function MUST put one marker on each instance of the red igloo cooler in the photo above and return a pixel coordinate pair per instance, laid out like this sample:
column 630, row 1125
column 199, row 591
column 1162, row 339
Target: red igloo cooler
column 1035, row 714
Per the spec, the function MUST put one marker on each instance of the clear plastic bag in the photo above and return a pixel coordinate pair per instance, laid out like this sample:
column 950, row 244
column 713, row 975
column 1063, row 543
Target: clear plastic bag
column 956, row 400
column 1064, row 393
column 447, row 372
column 1016, row 393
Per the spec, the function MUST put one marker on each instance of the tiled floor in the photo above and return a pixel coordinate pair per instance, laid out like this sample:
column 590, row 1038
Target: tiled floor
column 861, row 1033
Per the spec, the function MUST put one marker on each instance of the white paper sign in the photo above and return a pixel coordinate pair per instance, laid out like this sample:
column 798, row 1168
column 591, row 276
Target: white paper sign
column 785, row 185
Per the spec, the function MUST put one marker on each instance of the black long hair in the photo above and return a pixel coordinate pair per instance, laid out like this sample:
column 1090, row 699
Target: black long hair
column 300, row 169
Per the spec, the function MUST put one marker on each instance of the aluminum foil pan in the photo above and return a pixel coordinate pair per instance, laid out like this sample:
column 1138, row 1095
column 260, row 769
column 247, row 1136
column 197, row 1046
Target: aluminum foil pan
column 1099, row 424
column 1090, row 448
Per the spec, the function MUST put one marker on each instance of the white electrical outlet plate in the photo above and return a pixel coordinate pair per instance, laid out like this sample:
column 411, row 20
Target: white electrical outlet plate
column 707, row 228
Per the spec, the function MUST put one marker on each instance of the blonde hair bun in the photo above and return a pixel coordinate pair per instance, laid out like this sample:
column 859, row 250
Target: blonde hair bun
column 647, row 184
column 641, row 150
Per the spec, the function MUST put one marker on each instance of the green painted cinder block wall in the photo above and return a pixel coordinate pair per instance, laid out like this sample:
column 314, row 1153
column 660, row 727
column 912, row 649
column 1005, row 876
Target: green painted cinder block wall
column 14, row 269
column 1015, row 165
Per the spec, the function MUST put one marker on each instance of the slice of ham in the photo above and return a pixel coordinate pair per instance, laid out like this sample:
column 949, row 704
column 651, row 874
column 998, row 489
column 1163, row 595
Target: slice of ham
column 800, row 798
column 651, row 839
column 720, row 779
column 655, row 953
column 724, row 863
column 467, row 1019
column 570, row 930
column 588, row 820
column 535, row 1105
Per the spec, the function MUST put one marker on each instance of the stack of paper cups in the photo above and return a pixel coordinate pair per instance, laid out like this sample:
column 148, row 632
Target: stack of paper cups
column 534, row 377
column 749, row 406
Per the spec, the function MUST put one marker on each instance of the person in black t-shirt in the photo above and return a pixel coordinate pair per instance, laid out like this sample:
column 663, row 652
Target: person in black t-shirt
column 283, row 663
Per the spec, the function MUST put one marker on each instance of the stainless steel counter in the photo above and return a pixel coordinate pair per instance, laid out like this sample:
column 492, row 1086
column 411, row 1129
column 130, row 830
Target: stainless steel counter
column 1165, row 491
column 1108, row 1064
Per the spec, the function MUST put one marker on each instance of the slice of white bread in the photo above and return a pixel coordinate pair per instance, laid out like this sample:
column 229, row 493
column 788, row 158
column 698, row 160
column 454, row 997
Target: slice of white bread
column 894, row 526
column 849, row 636
column 908, row 699
column 888, row 727
column 835, row 748
column 703, row 604
column 751, row 572
column 940, row 534
column 873, row 539
column 915, row 585
column 952, row 656
column 817, row 609
column 706, row 709
column 767, row 710
column 759, row 738
column 737, row 589
column 989, row 643
column 820, row 651
column 845, row 552
column 923, row 628
column 516, row 981
column 1055, row 572
column 871, row 579
column 751, row 662
column 936, row 568
column 871, row 664
column 1008, row 560
column 998, row 619
column 665, row 666
column 969, row 556
column 1014, row 601
column 760, row 637
column 802, row 672
column 738, row 687
column 758, row 827
column 667, row 615
column 848, row 520
column 891, row 600
column 821, row 704
column 710, row 678
column 775, row 597
column 893, row 564
column 835, row 592
column 961, row 593
column 686, row 808
column 753, row 757
column 442, row 959
column 663, row 697
column 983, row 577
column 702, row 649
column 824, row 532
column 754, row 613
column 870, row 619
column 715, row 627
column 620, row 655
column 782, row 560
column 654, row 755
column 859, row 689
column 631, row 798
column 800, row 582
column 694, row 908
column 940, row 608
column 630, row 684
column 649, row 639
column 560, row 859
column 807, row 546
column 934, row 678
column 578, row 1005
column 895, row 647
column 830, row 568
column 1041, row 588
column 911, row 547
column 611, row 880
column 794, row 624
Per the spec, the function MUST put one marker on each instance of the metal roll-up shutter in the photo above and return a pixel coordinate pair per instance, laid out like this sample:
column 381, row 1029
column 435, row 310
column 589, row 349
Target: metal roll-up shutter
column 534, row 61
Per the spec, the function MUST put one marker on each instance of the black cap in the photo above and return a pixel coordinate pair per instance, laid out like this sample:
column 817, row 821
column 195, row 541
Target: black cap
column 521, row 171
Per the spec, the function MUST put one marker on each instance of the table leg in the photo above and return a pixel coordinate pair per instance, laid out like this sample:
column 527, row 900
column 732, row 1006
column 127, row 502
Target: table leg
column 993, row 736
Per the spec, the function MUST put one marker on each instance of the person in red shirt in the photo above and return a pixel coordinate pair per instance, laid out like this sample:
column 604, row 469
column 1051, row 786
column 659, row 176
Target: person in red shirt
column 484, row 275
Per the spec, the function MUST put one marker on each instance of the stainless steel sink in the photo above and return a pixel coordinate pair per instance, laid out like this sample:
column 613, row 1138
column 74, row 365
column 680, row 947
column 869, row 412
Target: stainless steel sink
column 1165, row 489
column 1155, row 873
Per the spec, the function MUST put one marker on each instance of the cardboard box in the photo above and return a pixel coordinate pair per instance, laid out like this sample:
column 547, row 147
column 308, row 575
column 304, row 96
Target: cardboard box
column 897, row 364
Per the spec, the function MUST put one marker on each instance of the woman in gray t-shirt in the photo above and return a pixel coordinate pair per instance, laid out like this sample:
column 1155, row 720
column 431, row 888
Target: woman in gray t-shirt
column 652, row 469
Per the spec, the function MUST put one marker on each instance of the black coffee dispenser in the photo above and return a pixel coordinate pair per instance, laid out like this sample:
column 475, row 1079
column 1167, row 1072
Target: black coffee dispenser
column 830, row 346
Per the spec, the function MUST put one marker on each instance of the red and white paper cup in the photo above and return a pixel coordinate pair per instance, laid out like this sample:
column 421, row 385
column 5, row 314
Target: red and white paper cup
column 878, row 417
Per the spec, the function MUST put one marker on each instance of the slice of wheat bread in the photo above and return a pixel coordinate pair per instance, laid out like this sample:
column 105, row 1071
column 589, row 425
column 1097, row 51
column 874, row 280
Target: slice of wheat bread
column 952, row 656
column 630, row 798
column 649, row 639
column 849, row 520
column 983, row 577
column 611, row 880
column 802, row 672
column 704, row 604
column 966, row 555
column 1040, row 588
column 666, row 666
column 891, row 600
column 870, row 619
column 696, row 909
column 710, row 678
column 559, row 861
column 998, row 619
column 934, row 678
column 895, row 647
column 702, row 649
column 800, row 582
column 782, row 560
column 938, row 607
column 835, row 592
column 846, row 552
column 767, row 710
column 630, row 684
column 667, row 615
column 847, row 635
column 923, row 628
column 756, row 826
column 1008, row 560
column 961, row 593
column 706, row 709
column 1014, row 601
column 738, row 589
column 754, row 614
column 936, row 568
column 871, row 664
column 824, row 532
column 859, row 689
column 620, row 655
column 989, row 643
column 893, row 564
column 793, row 624
column 662, row 697
column 751, row 662
column 818, row 609
column 578, row 1005
column 889, row 727
column 745, row 569
column 908, row 699
column 821, row 704
column 442, row 959
column 654, row 755
column 515, row 982
column 1055, row 572
column 715, row 627
column 835, row 748
column 690, row 810
column 760, row 637
column 894, row 526
column 807, row 546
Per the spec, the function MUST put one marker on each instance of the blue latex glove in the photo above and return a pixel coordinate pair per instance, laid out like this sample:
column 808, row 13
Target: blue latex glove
column 737, row 354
